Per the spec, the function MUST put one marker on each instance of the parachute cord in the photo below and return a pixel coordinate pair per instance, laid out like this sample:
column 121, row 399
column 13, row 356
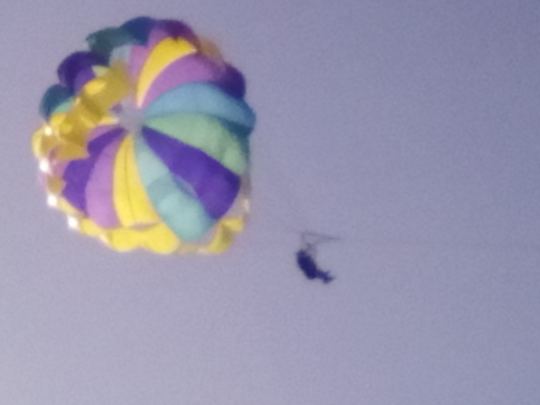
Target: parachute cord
column 278, row 182
column 295, row 221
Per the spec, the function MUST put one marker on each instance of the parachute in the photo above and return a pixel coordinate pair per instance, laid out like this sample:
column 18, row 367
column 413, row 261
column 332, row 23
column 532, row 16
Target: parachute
column 145, row 143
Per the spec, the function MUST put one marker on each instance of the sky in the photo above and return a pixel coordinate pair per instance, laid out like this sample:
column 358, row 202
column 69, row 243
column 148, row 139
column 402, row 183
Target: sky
column 409, row 129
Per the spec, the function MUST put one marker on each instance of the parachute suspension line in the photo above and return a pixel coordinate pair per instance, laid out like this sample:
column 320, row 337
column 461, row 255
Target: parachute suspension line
column 276, row 180
column 295, row 220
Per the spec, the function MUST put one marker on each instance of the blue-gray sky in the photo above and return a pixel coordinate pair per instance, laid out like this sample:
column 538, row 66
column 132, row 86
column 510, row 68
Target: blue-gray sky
column 408, row 128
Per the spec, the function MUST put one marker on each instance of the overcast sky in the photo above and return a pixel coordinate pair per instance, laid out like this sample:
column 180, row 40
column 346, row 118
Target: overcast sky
column 407, row 128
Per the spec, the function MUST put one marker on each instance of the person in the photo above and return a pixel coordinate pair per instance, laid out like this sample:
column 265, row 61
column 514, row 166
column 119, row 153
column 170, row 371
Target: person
column 305, row 257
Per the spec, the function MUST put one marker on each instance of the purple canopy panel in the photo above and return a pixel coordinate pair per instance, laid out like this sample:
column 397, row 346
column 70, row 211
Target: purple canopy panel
column 99, row 190
column 78, row 172
column 214, row 185
column 195, row 68
column 83, row 77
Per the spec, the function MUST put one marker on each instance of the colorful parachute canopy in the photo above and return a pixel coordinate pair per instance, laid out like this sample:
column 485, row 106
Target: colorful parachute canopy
column 146, row 140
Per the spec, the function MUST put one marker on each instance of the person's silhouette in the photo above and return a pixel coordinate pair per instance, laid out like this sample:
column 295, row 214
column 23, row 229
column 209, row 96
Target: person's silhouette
column 305, row 257
column 309, row 267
